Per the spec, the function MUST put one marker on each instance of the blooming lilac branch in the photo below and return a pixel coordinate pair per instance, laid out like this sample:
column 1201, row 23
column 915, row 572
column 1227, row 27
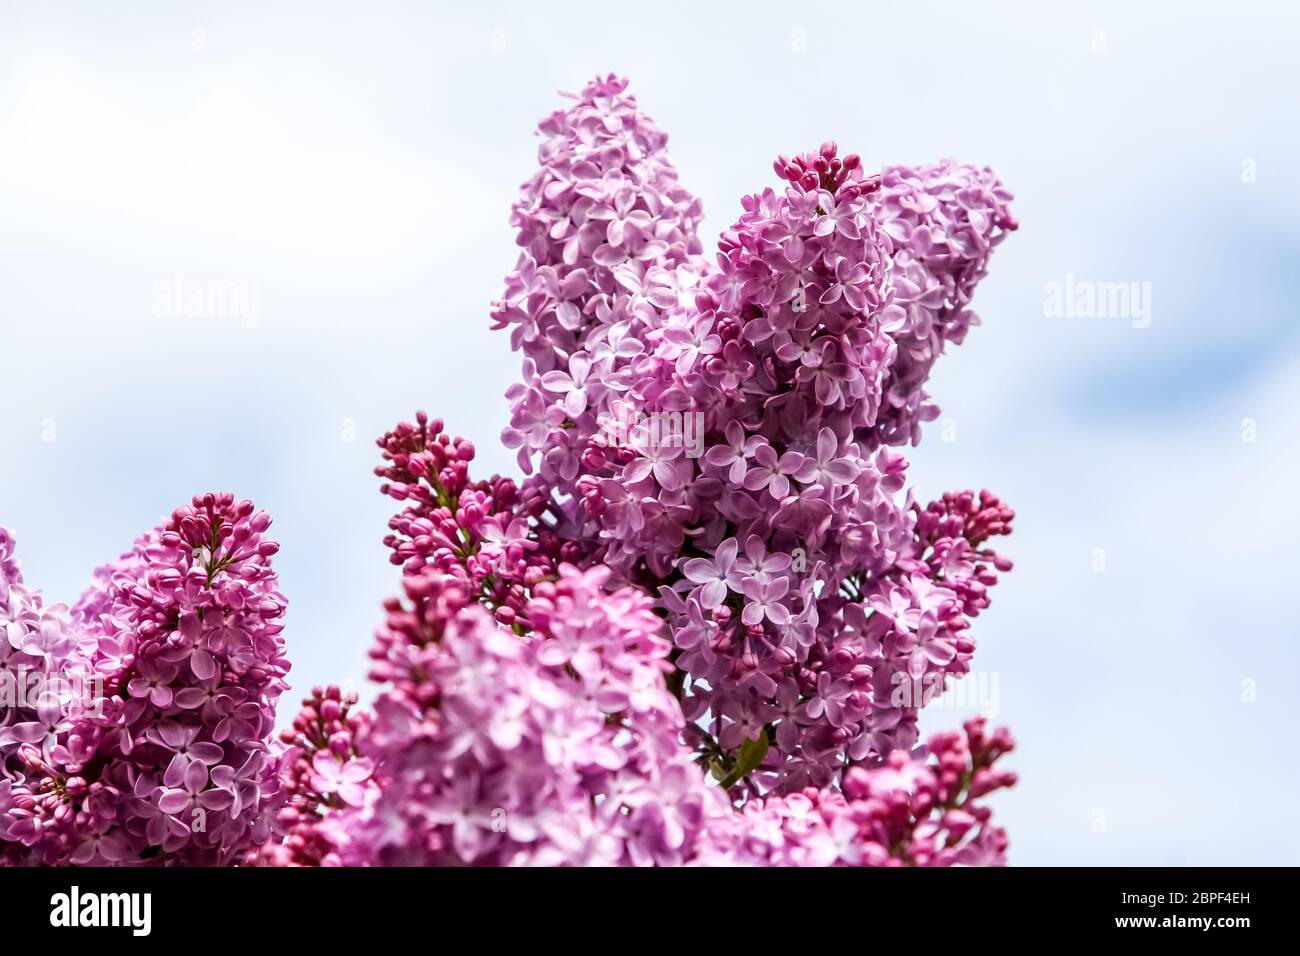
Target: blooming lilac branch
column 156, row 703
column 691, row 636
column 809, row 341
column 536, row 713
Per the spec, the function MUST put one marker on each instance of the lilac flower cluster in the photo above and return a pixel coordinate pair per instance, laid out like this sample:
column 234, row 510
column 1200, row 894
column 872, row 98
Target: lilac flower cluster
column 561, row 747
column 525, row 716
column 561, row 743
column 165, row 758
column 322, row 772
column 802, row 595
column 551, row 734
column 43, row 675
column 485, row 535
column 912, row 810
column 693, row 636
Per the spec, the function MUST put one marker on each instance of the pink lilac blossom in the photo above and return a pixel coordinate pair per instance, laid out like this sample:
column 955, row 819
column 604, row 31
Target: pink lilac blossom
column 694, row 635
column 804, row 597
column 322, row 772
column 912, row 810
column 43, row 664
column 538, row 707
column 525, row 716
column 162, row 755
column 562, row 743
column 553, row 737
column 558, row 747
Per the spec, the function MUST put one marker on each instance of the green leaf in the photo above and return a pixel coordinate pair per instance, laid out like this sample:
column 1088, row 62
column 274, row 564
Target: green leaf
column 748, row 758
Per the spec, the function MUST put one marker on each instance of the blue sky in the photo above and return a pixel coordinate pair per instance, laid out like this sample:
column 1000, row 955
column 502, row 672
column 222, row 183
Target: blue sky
column 355, row 164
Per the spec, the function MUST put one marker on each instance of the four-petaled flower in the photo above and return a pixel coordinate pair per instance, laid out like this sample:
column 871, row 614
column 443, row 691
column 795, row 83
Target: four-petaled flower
column 717, row 575
column 772, row 472
column 348, row 778
column 765, row 601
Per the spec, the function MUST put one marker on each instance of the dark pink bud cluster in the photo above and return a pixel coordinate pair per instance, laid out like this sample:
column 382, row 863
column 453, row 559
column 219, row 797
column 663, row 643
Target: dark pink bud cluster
column 825, row 170
column 488, row 535
column 320, row 770
column 950, row 533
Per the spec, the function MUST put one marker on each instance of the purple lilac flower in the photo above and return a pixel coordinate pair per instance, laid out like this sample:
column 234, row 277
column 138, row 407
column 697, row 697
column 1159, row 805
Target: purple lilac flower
column 176, row 654
column 805, row 346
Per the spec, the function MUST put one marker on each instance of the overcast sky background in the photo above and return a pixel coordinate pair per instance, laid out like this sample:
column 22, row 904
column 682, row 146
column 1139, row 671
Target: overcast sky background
column 357, row 161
